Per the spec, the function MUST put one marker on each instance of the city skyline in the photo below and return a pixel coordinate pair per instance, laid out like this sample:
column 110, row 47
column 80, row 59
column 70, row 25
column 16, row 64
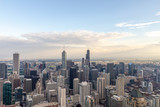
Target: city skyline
column 117, row 29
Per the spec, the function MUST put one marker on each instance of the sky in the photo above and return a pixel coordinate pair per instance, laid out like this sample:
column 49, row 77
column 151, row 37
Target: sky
column 40, row 29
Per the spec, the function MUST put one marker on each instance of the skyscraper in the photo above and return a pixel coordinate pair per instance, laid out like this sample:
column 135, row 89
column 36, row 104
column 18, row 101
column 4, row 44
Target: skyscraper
column 106, row 76
column 26, row 69
column 88, row 58
column 7, row 93
column 60, row 80
column 101, row 87
column 110, row 69
column 121, row 68
column 73, row 74
column 75, row 85
column 120, row 85
column 28, row 85
column 1, row 91
column 131, row 69
column 3, row 70
column 62, row 96
column 84, row 90
column 86, row 72
column 16, row 63
column 64, row 60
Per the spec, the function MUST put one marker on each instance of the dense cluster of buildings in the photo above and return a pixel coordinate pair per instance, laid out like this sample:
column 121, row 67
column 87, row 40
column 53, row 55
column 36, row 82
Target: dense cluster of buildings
column 82, row 83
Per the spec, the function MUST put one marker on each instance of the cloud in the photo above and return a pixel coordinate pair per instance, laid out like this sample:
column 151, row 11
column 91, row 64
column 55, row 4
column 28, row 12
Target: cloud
column 158, row 13
column 74, row 38
column 153, row 34
column 138, row 25
column 50, row 44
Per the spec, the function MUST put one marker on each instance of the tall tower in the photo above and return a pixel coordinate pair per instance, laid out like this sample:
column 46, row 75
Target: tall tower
column 88, row 58
column 72, row 75
column 120, row 85
column 86, row 72
column 1, row 91
column 131, row 68
column 7, row 93
column 84, row 90
column 75, row 85
column 3, row 70
column 110, row 69
column 101, row 87
column 16, row 62
column 64, row 60
column 62, row 96
column 121, row 68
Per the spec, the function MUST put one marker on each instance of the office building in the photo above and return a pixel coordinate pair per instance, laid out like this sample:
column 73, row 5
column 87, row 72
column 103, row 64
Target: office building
column 84, row 90
column 101, row 87
column 62, row 96
column 87, row 61
column 73, row 74
column 110, row 69
column 1, row 91
column 28, row 85
column 131, row 69
column 121, row 68
column 75, row 85
column 7, row 93
column 3, row 70
column 60, row 80
column 120, row 85
column 64, row 60
column 86, row 72
column 16, row 83
column 16, row 63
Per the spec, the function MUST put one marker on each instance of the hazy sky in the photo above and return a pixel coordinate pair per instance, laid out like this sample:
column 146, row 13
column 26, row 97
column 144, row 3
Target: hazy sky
column 109, row 28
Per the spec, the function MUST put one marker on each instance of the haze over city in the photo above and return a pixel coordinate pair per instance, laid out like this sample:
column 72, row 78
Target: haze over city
column 41, row 29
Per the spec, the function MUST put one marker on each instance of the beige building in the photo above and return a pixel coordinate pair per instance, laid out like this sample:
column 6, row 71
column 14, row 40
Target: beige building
column 101, row 87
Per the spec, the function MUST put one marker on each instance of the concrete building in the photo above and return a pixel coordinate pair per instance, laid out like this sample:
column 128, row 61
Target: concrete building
column 62, row 96
column 118, row 101
column 84, row 90
column 28, row 85
column 3, row 70
column 1, row 91
column 60, row 80
column 75, row 85
column 38, row 98
column 64, row 60
column 7, row 93
column 16, row 62
column 89, row 101
column 120, row 85
column 101, row 87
